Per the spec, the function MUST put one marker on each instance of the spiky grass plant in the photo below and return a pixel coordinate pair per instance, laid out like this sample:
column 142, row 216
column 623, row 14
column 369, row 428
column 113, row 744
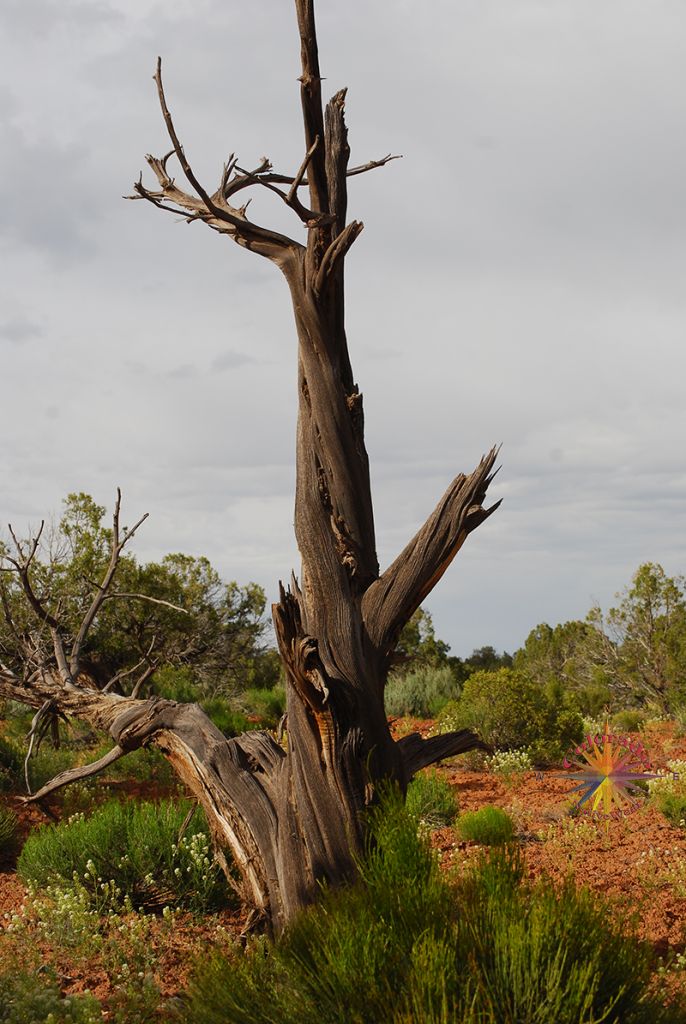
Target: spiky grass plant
column 405, row 946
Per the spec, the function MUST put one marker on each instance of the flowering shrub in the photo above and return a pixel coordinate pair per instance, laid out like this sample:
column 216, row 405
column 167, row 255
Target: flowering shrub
column 510, row 765
column 129, row 850
column 28, row 997
column 666, row 783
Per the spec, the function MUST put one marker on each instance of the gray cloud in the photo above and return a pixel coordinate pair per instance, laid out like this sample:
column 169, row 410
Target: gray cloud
column 50, row 201
column 520, row 278
column 231, row 361
column 20, row 328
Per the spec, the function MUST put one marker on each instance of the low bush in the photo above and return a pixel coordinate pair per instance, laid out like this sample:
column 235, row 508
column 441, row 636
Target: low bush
column 431, row 799
column 422, row 693
column 629, row 720
column 9, row 832
column 405, row 946
column 673, row 806
column 11, row 763
column 130, row 849
column 489, row 826
column 268, row 704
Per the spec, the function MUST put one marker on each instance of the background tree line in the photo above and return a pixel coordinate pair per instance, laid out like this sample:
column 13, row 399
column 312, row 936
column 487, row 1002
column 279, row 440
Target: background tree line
column 175, row 629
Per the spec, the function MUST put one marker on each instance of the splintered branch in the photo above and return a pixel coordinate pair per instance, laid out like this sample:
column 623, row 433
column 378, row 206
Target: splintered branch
column 335, row 254
column 391, row 600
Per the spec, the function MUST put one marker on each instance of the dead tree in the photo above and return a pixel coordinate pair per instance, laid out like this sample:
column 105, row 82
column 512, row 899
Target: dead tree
column 294, row 817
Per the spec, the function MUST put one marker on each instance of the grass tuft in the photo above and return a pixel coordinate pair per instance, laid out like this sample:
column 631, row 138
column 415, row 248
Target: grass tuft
column 489, row 826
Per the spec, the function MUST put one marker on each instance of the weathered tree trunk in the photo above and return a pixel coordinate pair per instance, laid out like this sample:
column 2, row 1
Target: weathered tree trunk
column 294, row 818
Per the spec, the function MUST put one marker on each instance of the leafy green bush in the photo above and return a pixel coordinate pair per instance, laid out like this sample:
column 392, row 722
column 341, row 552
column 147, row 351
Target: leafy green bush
column 9, row 832
column 431, row 799
column 489, row 826
column 404, row 947
column 181, row 685
column 422, row 693
column 508, row 711
column 30, row 998
column 135, row 847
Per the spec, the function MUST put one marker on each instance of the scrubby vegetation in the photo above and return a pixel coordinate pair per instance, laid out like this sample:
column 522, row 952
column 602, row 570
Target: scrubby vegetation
column 406, row 945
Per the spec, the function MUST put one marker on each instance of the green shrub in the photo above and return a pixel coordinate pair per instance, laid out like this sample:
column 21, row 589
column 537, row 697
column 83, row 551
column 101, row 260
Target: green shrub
column 136, row 847
column 673, row 806
column 268, row 704
column 422, row 693
column 404, row 947
column 629, row 720
column 431, row 799
column 30, row 998
column 226, row 718
column 9, row 831
column 489, row 826
column 509, row 711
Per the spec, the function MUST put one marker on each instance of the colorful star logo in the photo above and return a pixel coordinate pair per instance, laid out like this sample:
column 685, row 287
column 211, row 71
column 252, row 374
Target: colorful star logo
column 607, row 775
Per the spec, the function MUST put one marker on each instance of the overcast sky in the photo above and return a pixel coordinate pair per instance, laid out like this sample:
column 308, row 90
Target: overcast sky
column 520, row 279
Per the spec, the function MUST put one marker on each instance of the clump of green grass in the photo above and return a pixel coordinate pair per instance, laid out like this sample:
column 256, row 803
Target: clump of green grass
column 489, row 826
column 136, row 847
column 9, row 832
column 405, row 946
column 673, row 806
column 431, row 799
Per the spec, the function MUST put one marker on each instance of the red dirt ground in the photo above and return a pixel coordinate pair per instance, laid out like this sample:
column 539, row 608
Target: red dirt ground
column 602, row 857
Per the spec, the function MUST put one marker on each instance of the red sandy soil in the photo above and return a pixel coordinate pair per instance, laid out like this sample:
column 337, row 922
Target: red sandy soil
column 604, row 858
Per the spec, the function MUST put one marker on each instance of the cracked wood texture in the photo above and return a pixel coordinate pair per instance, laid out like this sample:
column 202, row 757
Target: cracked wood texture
column 294, row 818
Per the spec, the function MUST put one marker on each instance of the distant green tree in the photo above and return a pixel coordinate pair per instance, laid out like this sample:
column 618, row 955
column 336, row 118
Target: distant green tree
column 419, row 644
column 644, row 638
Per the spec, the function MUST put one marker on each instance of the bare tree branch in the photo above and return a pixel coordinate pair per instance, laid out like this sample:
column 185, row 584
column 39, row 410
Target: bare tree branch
column 372, row 164
column 75, row 774
column 311, row 99
column 391, row 600
column 31, row 736
column 88, row 619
